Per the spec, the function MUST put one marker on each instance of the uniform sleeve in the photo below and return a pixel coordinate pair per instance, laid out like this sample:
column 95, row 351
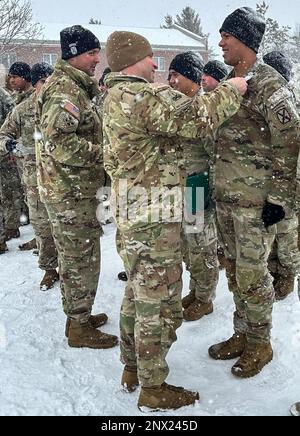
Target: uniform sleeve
column 11, row 129
column 173, row 114
column 8, row 104
column 283, row 120
column 59, row 122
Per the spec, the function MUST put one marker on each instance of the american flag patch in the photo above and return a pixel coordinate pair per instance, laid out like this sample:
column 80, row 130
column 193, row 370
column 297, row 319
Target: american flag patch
column 71, row 108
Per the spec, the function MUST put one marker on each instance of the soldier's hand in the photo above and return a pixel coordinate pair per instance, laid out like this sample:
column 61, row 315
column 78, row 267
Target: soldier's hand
column 11, row 145
column 240, row 83
column 272, row 214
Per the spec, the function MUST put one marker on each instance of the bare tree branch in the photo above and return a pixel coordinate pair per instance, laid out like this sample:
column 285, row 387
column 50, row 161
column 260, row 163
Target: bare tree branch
column 16, row 24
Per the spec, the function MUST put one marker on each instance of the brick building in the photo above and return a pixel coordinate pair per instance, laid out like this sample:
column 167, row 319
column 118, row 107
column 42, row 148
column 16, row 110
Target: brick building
column 166, row 44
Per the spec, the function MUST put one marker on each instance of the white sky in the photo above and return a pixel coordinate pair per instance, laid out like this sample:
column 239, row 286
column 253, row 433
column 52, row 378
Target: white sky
column 151, row 14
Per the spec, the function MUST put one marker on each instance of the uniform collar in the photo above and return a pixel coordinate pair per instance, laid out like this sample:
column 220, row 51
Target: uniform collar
column 116, row 78
column 83, row 80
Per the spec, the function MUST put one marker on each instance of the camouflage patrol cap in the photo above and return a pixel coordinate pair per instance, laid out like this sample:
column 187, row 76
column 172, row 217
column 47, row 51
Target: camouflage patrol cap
column 124, row 49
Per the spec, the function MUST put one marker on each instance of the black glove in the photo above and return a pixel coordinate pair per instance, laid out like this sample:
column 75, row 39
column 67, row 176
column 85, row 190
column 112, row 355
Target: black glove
column 11, row 145
column 272, row 214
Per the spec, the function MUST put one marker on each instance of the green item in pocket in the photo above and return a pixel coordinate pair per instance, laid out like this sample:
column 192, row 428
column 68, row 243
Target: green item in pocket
column 195, row 181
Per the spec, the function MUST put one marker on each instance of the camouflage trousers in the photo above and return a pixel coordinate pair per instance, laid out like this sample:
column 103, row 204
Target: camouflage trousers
column 247, row 246
column 11, row 194
column 38, row 216
column 201, row 258
column 151, row 311
column 76, row 233
column 286, row 240
column 21, row 162
column 41, row 225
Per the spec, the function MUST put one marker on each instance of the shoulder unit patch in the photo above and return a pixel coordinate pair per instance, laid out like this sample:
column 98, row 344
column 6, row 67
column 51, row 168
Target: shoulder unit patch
column 284, row 116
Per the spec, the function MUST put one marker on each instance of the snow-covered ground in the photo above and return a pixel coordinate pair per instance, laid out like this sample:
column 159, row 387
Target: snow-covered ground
column 40, row 375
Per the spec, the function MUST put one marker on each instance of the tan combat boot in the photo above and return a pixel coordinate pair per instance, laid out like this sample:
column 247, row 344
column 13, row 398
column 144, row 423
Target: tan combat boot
column 28, row 246
column 295, row 409
column 49, row 279
column 3, row 248
column 130, row 381
column 283, row 286
column 253, row 360
column 188, row 300
column 96, row 322
column 166, row 397
column 197, row 310
column 12, row 234
column 85, row 336
column 230, row 349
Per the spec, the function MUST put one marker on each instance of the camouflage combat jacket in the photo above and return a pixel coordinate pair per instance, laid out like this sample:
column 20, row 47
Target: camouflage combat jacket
column 20, row 126
column 6, row 106
column 19, row 97
column 69, row 136
column 198, row 154
column 142, row 126
column 257, row 149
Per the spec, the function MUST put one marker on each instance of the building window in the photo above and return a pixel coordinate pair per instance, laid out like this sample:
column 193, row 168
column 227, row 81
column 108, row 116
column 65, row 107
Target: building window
column 50, row 58
column 7, row 59
column 160, row 62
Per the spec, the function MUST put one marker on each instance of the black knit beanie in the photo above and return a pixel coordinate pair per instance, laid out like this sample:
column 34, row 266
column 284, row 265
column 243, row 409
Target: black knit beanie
column 40, row 71
column 77, row 40
column 280, row 63
column 247, row 26
column 20, row 69
column 190, row 65
column 216, row 69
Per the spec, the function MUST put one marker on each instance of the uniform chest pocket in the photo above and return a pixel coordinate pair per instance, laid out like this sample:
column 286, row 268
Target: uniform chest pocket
column 87, row 122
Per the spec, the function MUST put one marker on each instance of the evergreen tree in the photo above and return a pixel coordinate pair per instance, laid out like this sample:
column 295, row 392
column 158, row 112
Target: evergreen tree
column 294, row 51
column 94, row 21
column 188, row 19
column 276, row 37
column 168, row 22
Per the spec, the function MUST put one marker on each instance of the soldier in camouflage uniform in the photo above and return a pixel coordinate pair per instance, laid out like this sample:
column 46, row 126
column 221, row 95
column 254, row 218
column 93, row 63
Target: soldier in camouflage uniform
column 6, row 105
column 12, row 189
column 17, row 137
column 199, row 247
column 140, row 119
column 255, row 189
column 70, row 172
column 284, row 276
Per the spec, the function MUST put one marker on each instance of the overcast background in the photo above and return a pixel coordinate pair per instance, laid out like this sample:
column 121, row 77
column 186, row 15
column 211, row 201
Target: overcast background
column 151, row 14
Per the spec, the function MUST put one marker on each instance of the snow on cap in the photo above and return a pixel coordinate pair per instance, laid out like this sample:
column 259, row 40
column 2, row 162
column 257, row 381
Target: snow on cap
column 189, row 64
column 280, row 63
column 247, row 25
column 77, row 40
column 216, row 69
column 124, row 49
column 40, row 71
column 20, row 69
